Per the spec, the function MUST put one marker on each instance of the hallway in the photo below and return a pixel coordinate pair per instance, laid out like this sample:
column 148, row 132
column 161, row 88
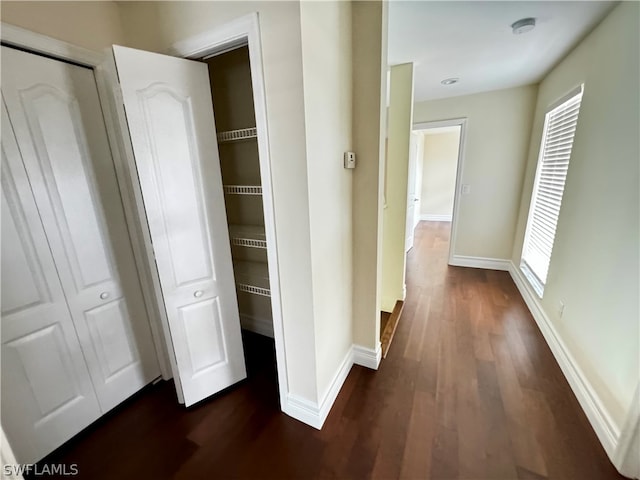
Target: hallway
column 468, row 390
column 492, row 400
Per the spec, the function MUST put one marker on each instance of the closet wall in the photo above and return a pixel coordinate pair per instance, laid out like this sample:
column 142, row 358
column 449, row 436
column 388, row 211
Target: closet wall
column 230, row 76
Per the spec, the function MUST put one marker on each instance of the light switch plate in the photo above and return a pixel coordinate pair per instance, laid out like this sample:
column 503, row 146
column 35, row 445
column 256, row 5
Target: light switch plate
column 349, row 160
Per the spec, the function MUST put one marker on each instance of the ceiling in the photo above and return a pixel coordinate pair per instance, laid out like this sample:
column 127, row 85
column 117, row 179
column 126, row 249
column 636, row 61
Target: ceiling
column 472, row 40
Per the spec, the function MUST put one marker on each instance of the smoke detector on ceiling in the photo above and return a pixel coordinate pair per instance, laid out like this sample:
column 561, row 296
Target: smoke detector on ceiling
column 523, row 25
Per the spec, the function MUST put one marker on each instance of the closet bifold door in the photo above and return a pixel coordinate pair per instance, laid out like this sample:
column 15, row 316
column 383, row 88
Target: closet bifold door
column 47, row 396
column 170, row 118
column 56, row 115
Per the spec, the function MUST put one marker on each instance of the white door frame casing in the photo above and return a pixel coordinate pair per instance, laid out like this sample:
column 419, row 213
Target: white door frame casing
column 454, row 122
column 245, row 30
column 57, row 49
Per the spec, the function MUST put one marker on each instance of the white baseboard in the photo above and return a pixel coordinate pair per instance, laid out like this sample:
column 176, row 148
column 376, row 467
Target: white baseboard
column 262, row 326
column 480, row 262
column 606, row 429
column 366, row 357
column 314, row 414
column 304, row 410
column 627, row 456
column 427, row 217
column 332, row 392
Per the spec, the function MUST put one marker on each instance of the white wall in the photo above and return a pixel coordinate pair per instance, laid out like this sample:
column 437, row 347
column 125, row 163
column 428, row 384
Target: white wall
column 156, row 26
column 327, row 78
column 92, row 25
column 369, row 44
column 397, row 168
column 497, row 140
column 439, row 165
column 594, row 266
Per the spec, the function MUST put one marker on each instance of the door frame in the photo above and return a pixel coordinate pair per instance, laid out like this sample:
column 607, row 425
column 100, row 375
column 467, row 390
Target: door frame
column 222, row 38
column 36, row 43
column 462, row 123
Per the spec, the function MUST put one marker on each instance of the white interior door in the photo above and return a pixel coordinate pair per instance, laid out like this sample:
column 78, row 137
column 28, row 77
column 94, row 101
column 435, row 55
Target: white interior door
column 47, row 396
column 411, row 193
column 56, row 114
column 170, row 116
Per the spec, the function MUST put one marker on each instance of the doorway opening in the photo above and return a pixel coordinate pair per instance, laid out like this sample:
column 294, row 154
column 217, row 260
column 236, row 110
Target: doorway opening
column 233, row 104
column 242, row 124
column 435, row 167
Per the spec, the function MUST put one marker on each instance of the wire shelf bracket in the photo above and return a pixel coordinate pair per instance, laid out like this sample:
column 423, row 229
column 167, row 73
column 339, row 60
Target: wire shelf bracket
column 243, row 287
column 234, row 135
column 243, row 189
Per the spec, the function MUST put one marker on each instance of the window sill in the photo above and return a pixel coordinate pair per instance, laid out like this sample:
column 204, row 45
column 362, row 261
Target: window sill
column 537, row 286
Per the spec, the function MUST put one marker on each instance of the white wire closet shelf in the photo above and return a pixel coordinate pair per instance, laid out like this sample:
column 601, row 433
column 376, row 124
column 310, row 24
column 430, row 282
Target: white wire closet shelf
column 243, row 189
column 251, row 236
column 234, row 135
column 252, row 277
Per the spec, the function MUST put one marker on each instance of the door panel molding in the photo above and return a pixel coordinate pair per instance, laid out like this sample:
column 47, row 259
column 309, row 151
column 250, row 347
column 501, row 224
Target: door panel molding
column 55, row 110
column 106, row 79
column 44, row 372
column 170, row 119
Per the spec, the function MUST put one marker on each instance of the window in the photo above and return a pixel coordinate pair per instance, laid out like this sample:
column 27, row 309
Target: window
column 553, row 163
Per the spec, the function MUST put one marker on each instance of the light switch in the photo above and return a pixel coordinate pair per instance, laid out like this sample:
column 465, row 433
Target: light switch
column 466, row 189
column 349, row 160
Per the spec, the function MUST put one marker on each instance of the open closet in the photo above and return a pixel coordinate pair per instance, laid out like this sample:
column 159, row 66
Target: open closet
column 230, row 77
column 133, row 235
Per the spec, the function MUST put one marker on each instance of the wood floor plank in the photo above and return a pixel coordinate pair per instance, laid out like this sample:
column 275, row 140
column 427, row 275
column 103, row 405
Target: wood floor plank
column 416, row 460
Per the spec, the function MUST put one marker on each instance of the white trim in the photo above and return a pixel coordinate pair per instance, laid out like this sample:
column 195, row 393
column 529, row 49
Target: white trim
column 261, row 326
column 626, row 458
column 332, row 392
column 605, row 427
column 302, row 409
column 41, row 44
column 35, row 42
column 431, row 217
column 367, row 357
column 481, row 262
column 246, row 30
column 462, row 122
column 577, row 90
column 315, row 414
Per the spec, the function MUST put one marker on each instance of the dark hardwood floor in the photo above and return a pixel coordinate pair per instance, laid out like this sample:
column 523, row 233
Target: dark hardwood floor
column 468, row 390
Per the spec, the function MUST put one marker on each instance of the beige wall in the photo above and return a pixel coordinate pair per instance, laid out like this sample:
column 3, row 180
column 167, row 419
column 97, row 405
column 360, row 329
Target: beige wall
column 497, row 140
column 369, row 126
column 395, row 213
column 92, row 25
column 595, row 262
column 327, row 79
column 439, row 165
column 283, row 74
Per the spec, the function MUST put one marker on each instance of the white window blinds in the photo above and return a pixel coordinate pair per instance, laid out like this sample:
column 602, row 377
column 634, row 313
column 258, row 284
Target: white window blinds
column 553, row 163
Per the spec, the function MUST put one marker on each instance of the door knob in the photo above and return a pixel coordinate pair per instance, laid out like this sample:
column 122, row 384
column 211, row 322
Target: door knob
column 198, row 293
column 104, row 295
